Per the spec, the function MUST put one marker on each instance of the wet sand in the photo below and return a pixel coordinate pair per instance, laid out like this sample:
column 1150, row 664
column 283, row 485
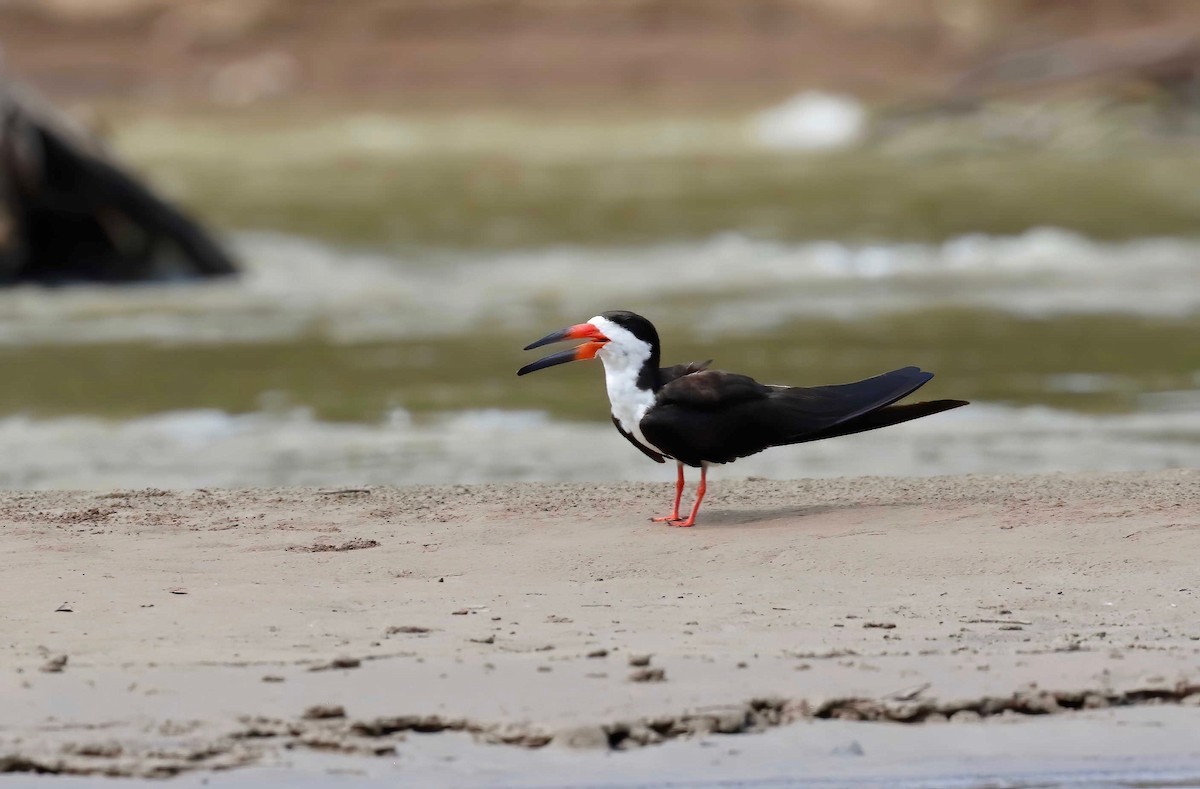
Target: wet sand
column 548, row 634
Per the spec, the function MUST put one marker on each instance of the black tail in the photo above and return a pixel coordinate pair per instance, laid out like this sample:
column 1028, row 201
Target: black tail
column 884, row 417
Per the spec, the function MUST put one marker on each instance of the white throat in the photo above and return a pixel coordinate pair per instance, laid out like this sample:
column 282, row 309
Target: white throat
column 624, row 356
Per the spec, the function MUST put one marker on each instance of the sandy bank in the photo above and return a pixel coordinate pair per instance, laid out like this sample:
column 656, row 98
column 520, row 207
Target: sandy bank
column 199, row 626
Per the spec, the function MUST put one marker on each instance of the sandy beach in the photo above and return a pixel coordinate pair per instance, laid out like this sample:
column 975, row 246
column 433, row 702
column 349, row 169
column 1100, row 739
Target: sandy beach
column 549, row 635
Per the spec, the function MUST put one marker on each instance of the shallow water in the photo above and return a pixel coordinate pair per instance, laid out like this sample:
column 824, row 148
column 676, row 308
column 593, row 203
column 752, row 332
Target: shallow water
column 728, row 284
column 328, row 366
column 215, row 449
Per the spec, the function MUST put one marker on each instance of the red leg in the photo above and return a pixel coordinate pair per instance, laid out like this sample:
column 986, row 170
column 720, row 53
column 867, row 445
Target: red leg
column 674, row 516
column 691, row 520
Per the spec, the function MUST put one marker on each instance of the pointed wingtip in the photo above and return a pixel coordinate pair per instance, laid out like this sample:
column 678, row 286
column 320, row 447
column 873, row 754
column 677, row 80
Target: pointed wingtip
column 913, row 373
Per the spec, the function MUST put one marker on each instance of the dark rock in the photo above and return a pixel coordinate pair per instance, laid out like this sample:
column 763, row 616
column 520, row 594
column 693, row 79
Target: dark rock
column 648, row 675
column 54, row 665
column 70, row 213
column 324, row 712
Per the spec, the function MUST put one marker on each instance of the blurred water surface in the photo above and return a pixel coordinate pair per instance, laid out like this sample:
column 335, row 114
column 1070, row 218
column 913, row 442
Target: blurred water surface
column 1042, row 260
column 328, row 365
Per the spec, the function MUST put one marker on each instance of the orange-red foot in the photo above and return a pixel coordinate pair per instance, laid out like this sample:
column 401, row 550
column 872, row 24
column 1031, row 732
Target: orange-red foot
column 667, row 518
column 682, row 522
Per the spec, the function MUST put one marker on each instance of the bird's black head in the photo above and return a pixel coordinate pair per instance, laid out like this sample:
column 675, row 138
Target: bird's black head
column 635, row 324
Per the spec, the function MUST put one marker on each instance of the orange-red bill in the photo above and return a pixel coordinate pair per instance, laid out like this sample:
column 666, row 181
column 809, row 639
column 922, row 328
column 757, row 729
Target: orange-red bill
column 586, row 351
column 580, row 331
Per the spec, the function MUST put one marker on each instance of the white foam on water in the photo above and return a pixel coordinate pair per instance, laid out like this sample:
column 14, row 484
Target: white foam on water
column 211, row 448
column 811, row 121
column 295, row 287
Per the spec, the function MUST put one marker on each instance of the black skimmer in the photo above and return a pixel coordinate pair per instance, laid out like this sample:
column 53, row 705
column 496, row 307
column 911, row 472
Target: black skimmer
column 698, row 417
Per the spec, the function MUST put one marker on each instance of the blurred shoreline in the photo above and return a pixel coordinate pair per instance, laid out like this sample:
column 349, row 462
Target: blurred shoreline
column 698, row 53
column 509, row 180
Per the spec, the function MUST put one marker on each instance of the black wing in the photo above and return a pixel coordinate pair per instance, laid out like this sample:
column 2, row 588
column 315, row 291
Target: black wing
column 701, row 416
column 665, row 375
column 647, row 451
column 668, row 374
column 812, row 409
column 718, row 417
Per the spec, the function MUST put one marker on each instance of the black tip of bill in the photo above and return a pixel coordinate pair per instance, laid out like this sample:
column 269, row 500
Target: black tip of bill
column 554, row 336
column 562, row 357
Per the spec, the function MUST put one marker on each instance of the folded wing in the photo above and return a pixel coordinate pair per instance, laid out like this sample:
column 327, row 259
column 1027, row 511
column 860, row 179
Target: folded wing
column 717, row 417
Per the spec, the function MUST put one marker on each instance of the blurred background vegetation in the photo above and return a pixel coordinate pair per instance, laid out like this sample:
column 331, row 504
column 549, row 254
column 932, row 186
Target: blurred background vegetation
column 483, row 122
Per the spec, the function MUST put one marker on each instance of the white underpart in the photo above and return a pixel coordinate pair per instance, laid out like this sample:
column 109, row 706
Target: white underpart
column 623, row 356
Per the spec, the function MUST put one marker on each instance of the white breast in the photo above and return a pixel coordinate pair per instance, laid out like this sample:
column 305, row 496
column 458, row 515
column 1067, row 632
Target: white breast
column 629, row 404
column 623, row 357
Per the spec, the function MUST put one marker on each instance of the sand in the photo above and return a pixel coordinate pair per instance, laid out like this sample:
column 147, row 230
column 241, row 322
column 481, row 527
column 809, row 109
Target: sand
column 549, row 634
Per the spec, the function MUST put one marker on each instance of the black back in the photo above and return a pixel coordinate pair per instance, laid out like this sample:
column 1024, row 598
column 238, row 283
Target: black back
column 715, row 416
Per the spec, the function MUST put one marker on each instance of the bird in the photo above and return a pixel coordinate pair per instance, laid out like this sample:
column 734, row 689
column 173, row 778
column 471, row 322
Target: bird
column 698, row 416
